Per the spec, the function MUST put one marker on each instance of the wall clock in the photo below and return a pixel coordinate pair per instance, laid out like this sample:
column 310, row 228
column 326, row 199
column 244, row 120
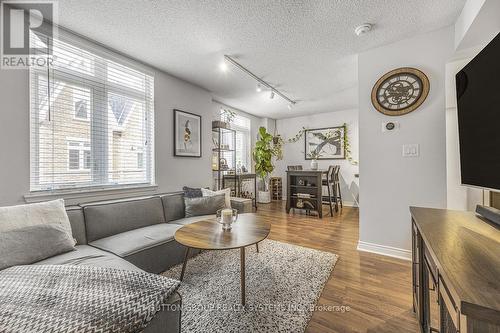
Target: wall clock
column 400, row 91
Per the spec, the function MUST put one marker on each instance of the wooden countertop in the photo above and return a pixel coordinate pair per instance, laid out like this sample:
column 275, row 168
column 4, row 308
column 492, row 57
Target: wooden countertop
column 466, row 250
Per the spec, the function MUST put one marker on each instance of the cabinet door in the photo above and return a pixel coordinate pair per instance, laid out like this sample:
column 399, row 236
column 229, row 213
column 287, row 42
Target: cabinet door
column 417, row 272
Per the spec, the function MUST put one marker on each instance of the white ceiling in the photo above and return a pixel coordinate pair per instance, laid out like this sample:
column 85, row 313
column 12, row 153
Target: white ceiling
column 307, row 49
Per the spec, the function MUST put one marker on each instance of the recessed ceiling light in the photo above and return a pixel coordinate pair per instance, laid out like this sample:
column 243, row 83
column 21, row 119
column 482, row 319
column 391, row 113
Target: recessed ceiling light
column 223, row 66
column 363, row 29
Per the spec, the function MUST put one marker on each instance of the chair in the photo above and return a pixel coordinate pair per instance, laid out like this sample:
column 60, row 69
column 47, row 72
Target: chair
column 294, row 168
column 332, row 182
column 328, row 182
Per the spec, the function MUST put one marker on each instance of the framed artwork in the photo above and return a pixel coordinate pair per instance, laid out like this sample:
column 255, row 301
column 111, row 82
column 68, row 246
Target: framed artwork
column 325, row 143
column 187, row 134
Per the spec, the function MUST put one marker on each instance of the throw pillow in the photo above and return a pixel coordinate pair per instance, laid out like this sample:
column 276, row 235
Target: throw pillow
column 49, row 212
column 27, row 245
column 204, row 205
column 190, row 192
column 226, row 192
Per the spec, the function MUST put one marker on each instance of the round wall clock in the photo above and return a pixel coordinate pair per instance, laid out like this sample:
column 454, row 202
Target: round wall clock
column 400, row 91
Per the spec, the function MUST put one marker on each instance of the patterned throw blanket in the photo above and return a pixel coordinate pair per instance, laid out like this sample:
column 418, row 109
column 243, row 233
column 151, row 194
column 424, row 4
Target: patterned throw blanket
column 60, row 298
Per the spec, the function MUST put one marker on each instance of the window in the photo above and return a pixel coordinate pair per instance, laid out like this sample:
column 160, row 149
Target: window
column 79, row 157
column 81, row 103
column 242, row 126
column 91, row 120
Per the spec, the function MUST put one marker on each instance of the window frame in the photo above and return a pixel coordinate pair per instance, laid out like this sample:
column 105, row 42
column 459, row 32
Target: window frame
column 100, row 57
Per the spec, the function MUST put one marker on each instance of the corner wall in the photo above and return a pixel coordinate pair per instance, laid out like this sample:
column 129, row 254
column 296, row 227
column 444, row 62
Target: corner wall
column 390, row 183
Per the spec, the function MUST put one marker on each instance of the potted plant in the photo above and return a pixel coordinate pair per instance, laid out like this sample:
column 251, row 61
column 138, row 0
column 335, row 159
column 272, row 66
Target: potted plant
column 263, row 156
column 314, row 155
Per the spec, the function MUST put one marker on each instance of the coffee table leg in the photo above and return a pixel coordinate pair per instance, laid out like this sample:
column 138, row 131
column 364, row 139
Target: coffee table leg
column 185, row 262
column 257, row 246
column 242, row 262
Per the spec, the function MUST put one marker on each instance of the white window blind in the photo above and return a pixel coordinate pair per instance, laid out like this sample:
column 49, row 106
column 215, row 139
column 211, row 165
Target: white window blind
column 242, row 125
column 92, row 119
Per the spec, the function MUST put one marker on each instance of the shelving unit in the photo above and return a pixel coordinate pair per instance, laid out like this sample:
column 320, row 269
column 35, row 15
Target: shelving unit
column 304, row 182
column 223, row 153
column 276, row 188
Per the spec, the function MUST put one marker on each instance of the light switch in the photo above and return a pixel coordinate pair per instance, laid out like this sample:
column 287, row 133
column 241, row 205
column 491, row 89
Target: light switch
column 411, row 150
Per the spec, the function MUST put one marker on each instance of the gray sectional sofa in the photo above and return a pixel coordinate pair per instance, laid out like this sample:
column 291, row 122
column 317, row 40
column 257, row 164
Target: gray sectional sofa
column 133, row 234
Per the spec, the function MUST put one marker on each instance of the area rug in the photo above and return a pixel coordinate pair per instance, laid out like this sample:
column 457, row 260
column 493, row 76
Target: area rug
column 283, row 284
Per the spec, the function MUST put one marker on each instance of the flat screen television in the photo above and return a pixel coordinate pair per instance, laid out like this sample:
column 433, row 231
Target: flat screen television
column 478, row 101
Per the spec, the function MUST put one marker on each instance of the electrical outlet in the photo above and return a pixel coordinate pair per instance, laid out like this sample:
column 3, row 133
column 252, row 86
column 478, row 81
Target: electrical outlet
column 411, row 150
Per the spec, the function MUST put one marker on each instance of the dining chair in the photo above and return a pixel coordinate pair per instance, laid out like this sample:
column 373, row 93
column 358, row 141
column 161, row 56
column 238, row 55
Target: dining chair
column 328, row 182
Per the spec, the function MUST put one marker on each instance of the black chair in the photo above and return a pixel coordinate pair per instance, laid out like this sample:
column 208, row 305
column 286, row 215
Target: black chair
column 294, row 168
column 328, row 182
column 332, row 182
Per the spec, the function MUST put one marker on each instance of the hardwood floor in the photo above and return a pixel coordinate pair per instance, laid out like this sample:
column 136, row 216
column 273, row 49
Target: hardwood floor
column 377, row 289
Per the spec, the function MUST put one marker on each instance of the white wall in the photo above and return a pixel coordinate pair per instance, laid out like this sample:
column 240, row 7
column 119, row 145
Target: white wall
column 171, row 172
column 294, row 152
column 390, row 183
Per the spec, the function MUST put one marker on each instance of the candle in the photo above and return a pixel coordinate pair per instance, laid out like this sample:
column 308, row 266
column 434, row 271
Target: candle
column 227, row 216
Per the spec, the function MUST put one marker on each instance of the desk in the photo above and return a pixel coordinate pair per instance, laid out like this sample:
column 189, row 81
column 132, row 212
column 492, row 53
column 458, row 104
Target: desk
column 302, row 183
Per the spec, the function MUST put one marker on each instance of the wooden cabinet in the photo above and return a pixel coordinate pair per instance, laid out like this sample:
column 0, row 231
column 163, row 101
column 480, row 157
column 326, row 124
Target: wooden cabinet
column 456, row 272
column 304, row 190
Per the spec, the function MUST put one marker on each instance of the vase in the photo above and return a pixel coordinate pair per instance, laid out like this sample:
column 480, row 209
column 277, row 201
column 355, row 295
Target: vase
column 314, row 165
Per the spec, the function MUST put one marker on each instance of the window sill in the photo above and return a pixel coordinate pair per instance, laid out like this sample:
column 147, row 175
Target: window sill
column 74, row 196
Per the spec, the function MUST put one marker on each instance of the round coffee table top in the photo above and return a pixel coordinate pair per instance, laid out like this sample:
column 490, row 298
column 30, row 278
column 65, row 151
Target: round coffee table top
column 249, row 229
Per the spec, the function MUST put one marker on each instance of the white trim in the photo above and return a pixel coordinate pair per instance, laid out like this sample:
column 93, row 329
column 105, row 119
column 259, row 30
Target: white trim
column 384, row 250
column 95, row 193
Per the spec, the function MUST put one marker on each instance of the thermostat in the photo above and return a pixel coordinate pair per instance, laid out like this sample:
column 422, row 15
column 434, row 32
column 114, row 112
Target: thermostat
column 390, row 126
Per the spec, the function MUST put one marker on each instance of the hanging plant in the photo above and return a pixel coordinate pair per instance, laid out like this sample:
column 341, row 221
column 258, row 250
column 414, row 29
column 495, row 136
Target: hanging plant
column 347, row 147
column 227, row 115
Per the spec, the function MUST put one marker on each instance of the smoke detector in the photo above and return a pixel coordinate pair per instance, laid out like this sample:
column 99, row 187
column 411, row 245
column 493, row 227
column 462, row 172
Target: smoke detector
column 363, row 29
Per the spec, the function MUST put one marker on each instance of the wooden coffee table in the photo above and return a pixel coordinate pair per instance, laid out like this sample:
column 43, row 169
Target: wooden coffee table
column 208, row 235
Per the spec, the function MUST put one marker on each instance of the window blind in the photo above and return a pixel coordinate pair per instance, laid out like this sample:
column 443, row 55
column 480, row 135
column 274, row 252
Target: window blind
column 242, row 125
column 92, row 119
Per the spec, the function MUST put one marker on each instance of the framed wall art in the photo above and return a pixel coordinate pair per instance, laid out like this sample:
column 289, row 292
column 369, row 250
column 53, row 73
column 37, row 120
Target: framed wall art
column 325, row 143
column 187, row 134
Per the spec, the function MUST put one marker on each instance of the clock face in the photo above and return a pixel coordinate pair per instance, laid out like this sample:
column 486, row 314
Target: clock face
column 400, row 91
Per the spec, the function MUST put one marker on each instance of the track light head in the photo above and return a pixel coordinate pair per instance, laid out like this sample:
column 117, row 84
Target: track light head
column 259, row 87
column 272, row 95
column 290, row 106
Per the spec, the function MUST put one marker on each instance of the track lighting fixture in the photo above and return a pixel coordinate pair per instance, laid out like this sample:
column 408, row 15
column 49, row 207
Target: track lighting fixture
column 290, row 106
column 261, row 84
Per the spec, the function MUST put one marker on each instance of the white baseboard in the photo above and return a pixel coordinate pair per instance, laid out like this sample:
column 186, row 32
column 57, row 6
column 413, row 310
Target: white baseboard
column 384, row 250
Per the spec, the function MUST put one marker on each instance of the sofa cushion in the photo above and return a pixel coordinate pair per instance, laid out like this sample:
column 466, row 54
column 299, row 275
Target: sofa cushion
column 14, row 217
column 204, row 205
column 133, row 241
column 192, row 192
column 88, row 255
column 152, row 248
column 227, row 193
column 189, row 220
column 114, row 217
column 77, row 221
column 173, row 206
column 30, row 244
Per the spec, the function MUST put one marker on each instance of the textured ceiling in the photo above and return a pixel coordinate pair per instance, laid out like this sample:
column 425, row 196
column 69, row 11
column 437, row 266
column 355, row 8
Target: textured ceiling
column 306, row 48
